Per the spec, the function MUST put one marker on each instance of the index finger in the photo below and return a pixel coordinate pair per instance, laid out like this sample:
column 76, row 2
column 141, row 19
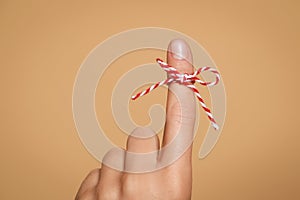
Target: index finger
column 180, row 108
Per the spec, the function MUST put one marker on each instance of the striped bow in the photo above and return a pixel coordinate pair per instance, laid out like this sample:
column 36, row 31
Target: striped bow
column 188, row 80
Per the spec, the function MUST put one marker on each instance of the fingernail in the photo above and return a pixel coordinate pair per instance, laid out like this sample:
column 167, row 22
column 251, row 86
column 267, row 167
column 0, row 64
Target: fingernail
column 180, row 49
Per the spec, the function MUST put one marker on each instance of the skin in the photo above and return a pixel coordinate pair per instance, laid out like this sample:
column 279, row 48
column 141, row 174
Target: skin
column 172, row 182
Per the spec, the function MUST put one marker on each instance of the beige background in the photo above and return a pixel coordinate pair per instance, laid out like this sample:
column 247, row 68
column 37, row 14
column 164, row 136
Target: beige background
column 254, row 43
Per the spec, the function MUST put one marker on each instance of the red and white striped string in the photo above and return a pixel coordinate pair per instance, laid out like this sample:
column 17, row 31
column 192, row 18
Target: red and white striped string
column 188, row 80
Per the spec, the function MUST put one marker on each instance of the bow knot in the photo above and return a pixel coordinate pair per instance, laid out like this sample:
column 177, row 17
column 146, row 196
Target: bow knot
column 188, row 80
column 181, row 78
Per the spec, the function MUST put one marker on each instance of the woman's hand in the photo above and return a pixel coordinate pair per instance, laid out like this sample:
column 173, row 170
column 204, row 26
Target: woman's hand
column 171, row 182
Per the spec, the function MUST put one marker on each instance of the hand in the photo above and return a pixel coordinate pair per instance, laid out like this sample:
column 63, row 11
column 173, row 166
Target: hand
column 171, row 182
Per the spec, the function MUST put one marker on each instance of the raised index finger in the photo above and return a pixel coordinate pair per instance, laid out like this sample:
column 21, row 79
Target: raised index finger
column 180, row 109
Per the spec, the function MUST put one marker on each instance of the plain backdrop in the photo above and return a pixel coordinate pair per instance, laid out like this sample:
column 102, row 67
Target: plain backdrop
column 254, row 43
